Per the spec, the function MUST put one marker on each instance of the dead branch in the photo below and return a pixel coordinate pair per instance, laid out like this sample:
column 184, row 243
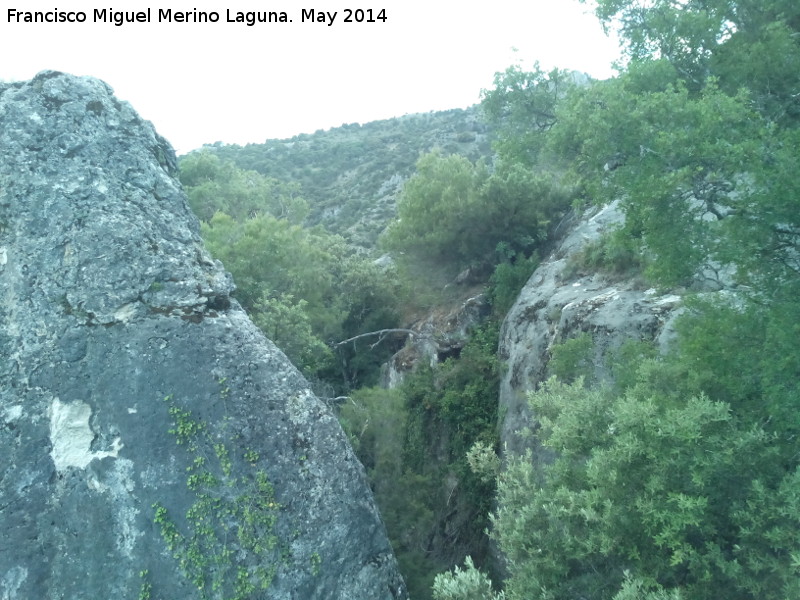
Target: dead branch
column 381, row 332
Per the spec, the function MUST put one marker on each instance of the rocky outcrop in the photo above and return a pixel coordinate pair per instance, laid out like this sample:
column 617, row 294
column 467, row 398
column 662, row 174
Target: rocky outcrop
column 555, row 306
column 154, row 443
column 439, row 336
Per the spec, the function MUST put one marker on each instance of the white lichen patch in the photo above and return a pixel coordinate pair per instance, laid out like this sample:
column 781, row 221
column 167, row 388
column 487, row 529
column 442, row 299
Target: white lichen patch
column 11, row 582
column 100, row 186
column 125, row 313
column 69, row 252
column 71, row 436
column 669, row 302
column 122, row 490
column 118, row 484
column 12, row 413
column 300, row 407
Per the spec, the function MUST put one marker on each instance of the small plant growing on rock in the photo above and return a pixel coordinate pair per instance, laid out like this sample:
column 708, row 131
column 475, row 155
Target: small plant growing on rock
column 228, row 549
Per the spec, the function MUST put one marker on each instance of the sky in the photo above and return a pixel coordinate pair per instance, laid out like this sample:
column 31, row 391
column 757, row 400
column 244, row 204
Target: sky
column 226, row 81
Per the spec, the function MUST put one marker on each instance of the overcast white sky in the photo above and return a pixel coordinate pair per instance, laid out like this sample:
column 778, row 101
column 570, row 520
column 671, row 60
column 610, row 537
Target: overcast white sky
column 202, row 83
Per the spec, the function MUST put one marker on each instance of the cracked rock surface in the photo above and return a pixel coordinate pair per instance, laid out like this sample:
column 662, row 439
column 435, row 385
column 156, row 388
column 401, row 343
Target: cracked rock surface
column 555, row 306
column 110, row 304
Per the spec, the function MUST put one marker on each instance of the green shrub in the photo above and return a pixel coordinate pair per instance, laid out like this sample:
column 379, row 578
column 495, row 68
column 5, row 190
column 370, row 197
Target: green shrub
column 614, row 254
column 306, row 288
column 669, row 487
column 572, row 358
column 507, row 280
column 469, row 584
column 457, row 213
column 215, row 185
column 625, row 362
column 414, row 439
column 375, row 420
column 465, row 137
column 380, row 428
column 287, row 323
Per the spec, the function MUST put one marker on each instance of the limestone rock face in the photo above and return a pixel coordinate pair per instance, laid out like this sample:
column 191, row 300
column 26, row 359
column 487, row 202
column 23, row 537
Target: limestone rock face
column 154, row 443
column 554, row 307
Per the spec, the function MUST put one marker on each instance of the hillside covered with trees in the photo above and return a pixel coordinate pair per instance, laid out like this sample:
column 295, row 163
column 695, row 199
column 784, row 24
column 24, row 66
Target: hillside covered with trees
column 351, row 175
column 678, row 479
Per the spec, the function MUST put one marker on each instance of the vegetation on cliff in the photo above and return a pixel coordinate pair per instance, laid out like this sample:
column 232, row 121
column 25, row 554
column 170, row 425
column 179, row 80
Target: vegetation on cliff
column 680, row 480
column 684, row 481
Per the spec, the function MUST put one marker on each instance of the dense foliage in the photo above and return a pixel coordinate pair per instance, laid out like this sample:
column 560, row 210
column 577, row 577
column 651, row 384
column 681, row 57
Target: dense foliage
column 697, row 135
column 216, row 185
column 683, row 479
column 414, row 442
column 350, row 175
column 679, row 479
column 304, row 287
column 665, row 484
column 456, row 213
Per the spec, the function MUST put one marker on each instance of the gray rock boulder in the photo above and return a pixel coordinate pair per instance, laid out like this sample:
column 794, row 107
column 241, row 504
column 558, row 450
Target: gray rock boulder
column 555, row 306
column 154, row 443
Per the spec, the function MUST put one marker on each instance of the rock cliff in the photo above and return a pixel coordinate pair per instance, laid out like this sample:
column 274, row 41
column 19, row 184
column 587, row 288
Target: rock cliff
column 555, row 306
column 154, row 443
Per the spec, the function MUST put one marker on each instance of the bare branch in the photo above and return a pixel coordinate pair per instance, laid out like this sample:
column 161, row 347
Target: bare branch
column 336, row 400
column 381, row 332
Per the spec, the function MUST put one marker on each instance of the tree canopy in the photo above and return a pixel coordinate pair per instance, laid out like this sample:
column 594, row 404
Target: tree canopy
column 216, row 185
column 462, row 214
column 682, row 480
column 304, row 287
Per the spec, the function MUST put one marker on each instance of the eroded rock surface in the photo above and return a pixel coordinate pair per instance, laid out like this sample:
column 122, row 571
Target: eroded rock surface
column 554, row 307
column 119, row 339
